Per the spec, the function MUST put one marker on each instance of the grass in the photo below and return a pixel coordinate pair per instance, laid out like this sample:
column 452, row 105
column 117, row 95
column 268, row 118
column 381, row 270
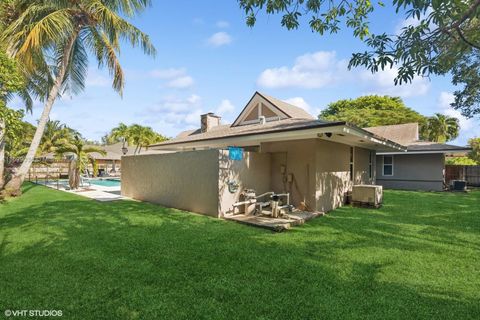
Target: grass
column 416, row 258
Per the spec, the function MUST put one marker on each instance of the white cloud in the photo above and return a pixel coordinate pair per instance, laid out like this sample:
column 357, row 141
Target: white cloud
column 382, row 83
column 181, row 82
column 179, row 112
column 175, row 77
column 222, row 24
column 182, row 113
column 219, row 39
column 322, row 68
column 225, row 107
column 194, row 99
column 311, row 70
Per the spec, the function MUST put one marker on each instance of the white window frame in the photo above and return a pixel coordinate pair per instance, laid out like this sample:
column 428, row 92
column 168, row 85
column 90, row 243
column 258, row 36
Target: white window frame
column 383, row 165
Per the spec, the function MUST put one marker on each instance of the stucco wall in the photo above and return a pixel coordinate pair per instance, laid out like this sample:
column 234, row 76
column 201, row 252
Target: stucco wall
column 187, row 180
column 361, row 167
column 298, row 157
column 321, row 171
column 332, row 174
column 413, row 172
column 252, row 172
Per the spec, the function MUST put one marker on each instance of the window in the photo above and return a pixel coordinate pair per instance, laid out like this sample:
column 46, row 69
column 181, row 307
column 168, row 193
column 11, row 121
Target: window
column 370, row 165
column 351, row 163
column 388, row 165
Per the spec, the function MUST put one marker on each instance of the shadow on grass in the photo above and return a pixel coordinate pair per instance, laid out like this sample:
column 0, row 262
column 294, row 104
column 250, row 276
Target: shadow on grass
column 134, row 260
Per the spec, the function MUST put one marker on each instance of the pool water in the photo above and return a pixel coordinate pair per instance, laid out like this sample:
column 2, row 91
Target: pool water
column 105, row 182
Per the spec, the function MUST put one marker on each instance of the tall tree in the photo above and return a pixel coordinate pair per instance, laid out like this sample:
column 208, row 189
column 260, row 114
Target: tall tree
column 440, row 37
column 68, row 30
column 135, row 135
column 121, row 133
column 11, row 82
column 56, row 134
column 442, row 128
column 372, row 111
column 142, row 137
column 475, row 153
column 81, row 156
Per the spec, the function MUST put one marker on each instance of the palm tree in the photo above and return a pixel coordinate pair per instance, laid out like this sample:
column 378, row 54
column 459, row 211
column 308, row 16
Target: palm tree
column 120, row 133
column 442, row 128
column 55, row 135
column 142, row 136
column 65, row 31
column 81, row 156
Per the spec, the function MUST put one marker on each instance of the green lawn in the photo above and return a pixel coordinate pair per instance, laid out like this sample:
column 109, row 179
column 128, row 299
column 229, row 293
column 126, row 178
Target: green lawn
column 416, row 258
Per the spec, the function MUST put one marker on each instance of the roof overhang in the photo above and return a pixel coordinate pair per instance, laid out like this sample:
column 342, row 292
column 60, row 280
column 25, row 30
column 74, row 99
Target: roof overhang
column 335, row 132
column 446, row 152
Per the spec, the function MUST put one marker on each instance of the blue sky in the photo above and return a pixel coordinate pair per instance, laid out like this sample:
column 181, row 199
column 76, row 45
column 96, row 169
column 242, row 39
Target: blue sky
column 209, row 60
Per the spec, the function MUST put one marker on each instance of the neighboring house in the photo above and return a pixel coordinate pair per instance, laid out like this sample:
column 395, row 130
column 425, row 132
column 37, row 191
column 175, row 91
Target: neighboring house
column 271, row 146
column 422, row 167
column 112, row 161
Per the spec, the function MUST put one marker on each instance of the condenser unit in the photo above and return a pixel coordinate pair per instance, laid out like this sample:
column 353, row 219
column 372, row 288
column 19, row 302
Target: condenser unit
column 367, row 195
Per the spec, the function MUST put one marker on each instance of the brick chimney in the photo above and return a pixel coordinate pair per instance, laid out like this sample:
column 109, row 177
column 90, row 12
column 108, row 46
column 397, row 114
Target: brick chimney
column 208, row 121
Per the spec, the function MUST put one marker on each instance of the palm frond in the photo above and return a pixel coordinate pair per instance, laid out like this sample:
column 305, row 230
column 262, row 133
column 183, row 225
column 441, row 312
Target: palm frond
column 77, row 69
column 106, row 55
column 40, row 26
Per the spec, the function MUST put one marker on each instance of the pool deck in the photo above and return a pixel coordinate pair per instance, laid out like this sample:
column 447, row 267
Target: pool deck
column 93, row 191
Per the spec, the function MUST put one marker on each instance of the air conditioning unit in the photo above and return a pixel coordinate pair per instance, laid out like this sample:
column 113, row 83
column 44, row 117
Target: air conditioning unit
column 367, row 196
column 458, row 185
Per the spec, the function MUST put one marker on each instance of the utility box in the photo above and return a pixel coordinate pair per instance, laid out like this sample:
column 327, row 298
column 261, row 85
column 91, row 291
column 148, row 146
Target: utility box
column 367, row 196
column 458, row 185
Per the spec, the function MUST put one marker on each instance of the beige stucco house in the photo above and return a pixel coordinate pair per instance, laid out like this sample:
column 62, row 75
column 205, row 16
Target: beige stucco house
column 283, row 149
column 422, row 167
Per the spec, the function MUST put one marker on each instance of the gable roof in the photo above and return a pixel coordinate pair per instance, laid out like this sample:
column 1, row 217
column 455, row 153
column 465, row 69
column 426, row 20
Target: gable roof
column 287, row 110
column 400, row 133
column 291, row 123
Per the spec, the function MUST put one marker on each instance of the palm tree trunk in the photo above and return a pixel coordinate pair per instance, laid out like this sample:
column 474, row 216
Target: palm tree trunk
column 13, row 186
column 2, row 153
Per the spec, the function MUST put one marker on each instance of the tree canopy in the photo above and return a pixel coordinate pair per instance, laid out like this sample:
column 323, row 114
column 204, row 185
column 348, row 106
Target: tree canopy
column 135, row 135
column 475, row 153
column 441, row 128
column 440, row 37
column 53, row 41
column 372, row 111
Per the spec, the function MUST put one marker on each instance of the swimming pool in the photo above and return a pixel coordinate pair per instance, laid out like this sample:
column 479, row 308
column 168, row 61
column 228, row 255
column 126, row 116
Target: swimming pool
column 105, row 182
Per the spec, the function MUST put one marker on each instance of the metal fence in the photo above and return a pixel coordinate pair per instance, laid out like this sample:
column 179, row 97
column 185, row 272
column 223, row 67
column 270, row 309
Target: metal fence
column 471, row 174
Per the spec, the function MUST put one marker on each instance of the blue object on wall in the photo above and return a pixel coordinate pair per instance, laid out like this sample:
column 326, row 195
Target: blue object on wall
column 235, row 153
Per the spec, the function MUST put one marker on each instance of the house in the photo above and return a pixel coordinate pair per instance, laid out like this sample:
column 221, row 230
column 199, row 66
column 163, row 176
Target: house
column 271, row 146
column 111, row 162
column 422, row 167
